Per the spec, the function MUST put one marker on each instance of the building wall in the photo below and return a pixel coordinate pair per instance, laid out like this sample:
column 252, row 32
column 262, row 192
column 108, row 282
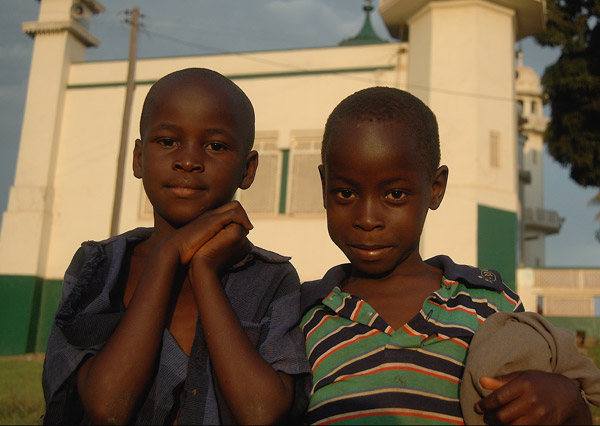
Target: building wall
column 289, row 105
column 447, row 63
column 293, row 93
column 472, row 93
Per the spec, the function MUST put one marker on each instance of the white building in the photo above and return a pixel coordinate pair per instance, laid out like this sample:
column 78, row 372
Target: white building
column 456, row 55
column 537, row 221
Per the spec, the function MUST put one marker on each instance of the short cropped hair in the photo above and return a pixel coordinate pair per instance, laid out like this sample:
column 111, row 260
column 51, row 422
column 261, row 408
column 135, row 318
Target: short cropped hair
column 196, row 76
column 388, row 104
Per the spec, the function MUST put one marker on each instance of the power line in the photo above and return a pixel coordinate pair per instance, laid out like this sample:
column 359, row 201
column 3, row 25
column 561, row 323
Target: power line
column 252, row 57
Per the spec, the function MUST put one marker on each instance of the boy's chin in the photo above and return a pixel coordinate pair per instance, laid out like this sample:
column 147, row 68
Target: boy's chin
column 370, row 270
column 176, row 220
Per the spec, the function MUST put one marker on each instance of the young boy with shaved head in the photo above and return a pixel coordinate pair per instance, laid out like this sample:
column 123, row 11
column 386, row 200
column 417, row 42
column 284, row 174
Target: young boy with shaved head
column 186, row 322
column 387, row 335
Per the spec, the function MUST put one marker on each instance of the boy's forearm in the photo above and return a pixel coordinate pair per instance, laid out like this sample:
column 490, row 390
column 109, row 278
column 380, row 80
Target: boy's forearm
column 112, row 383
column 255, row 392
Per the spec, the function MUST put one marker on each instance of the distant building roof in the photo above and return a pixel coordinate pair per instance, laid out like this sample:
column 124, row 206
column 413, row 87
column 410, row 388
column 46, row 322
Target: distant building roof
column 367, row 34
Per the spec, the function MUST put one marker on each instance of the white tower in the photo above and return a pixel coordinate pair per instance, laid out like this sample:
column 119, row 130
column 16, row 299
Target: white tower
column 462, row 66
column 61, row 37
column 537, row 222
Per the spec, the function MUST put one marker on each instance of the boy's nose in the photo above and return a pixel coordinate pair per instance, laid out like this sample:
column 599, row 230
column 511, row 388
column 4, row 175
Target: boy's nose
column 367, row 216
column 189, row 160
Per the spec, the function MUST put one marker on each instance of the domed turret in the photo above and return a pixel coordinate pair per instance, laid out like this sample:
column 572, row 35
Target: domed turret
column 367, row 34
column 528, row 82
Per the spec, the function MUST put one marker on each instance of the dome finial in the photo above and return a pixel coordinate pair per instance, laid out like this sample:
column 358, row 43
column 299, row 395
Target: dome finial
column 520, row 55
column 367, row 34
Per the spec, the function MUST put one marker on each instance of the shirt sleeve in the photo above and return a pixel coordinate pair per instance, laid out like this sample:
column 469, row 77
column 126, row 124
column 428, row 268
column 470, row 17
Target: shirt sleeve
column 281, row 342
column 63, row 358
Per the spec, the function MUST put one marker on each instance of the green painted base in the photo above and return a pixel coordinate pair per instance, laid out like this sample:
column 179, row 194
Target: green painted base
column 497, row 242
column 27, row 307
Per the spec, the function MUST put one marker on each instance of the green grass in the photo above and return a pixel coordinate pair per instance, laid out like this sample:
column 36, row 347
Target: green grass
column 21, row 397
column 22, row 400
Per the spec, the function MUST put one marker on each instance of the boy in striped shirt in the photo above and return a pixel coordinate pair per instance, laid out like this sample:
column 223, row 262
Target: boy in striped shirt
column 387, row 335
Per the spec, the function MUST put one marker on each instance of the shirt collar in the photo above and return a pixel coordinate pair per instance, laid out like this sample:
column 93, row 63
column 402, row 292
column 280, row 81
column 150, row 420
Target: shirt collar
column 468, row 275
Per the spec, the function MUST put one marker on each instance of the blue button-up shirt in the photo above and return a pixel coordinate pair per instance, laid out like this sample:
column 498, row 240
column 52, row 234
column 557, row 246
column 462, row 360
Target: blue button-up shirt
column 263, row 291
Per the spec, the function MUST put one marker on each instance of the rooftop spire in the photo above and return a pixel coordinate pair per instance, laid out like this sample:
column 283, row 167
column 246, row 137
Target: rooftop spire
column 367, row 34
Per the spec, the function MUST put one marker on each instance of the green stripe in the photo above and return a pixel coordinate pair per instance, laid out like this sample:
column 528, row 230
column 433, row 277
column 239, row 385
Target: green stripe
column 242, row 76
column 284, row 180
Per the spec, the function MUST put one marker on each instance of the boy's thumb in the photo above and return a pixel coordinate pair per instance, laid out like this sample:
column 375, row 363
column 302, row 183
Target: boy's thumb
column 493, row 383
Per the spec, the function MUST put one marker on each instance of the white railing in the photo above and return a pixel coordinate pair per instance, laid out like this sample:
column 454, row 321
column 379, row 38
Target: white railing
column 560, row 292
column 539, row 219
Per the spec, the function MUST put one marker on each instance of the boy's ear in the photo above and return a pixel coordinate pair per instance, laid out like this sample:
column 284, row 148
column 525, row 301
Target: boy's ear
column 249, row 170
column 438, row 187
column 137, row 159
column 322, row 174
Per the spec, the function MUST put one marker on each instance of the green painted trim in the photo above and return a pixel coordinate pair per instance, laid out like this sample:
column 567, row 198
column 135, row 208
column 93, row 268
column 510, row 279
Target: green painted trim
column 34, row 319
column 285, row 161
column 51, row 295
column 17, row 295
column 241, row 77
column 27, row 308
column 497, row 242
column 205, row 55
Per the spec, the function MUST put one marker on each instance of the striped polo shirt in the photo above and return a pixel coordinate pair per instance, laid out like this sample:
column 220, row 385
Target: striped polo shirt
column 365, row 372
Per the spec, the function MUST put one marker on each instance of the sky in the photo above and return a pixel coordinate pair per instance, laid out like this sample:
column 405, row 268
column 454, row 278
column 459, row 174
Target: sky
column 191, row 27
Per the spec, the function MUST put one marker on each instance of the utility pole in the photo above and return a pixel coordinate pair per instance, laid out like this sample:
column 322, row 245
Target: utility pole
column 130, row 87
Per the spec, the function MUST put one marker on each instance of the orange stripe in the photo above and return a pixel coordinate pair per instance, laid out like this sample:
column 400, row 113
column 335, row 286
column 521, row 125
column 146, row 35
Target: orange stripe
column 416, row 370
column 337, row 348
column 459, row 342
column 460, row 308
column 357, row 310
column 393, row 413
column 511, row 301
column 412, row 332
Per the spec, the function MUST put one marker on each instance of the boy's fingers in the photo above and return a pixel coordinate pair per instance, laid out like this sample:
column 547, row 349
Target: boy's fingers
column 205, row 227
column 491, row 383
column 514, row 413
column 235, row 212
column 502, row 393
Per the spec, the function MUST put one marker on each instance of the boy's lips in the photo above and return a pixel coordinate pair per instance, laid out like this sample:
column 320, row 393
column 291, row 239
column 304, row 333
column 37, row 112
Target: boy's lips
column 184, row 188
column 369, row 252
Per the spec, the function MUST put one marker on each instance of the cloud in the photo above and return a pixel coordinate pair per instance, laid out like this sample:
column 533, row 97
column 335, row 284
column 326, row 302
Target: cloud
column 17, row 52
column 228, row 25
column 316, row 19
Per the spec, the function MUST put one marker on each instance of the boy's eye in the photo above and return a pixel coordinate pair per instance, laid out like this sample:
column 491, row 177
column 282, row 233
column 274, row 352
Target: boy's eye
column 215, row 146
column 395, row 195
column 344, row 194
column 166, row 142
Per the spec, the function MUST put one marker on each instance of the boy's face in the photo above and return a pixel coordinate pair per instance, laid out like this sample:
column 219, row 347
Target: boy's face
column 193, row 153
column 377, row 193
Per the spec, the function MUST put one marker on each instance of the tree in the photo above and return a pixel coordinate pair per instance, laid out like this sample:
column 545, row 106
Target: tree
column 572, row 87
